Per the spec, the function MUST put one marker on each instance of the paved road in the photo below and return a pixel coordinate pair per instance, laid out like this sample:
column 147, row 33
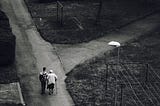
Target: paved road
column 32, row 53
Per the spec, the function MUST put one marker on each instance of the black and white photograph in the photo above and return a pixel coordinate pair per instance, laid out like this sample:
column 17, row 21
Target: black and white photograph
column 79, row 52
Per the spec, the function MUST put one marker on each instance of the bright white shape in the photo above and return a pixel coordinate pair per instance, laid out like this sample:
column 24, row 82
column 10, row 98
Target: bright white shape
column 40, row 19
column 114, row 43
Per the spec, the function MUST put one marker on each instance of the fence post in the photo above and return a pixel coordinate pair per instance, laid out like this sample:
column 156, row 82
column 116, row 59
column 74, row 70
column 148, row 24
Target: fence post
column 61, row 16
column 99, row 12
column 122, row 86
column 107, row 69
column 57, row 11
column 147, row 73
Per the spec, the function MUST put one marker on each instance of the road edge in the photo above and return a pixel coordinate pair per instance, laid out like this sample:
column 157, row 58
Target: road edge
column 20, row 95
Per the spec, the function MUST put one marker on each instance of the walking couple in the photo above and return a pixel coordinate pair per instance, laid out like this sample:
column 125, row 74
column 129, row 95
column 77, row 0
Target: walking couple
column 48, row 79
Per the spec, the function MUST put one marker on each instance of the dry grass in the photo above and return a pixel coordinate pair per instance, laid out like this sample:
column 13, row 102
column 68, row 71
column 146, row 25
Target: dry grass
column 87, row 82
column 113, row 16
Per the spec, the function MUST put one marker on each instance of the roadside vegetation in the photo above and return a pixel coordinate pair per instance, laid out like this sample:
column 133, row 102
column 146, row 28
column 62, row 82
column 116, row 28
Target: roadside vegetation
column 8, row 73
column 7, row 41
column 89, row 84
column 7, row 54
column 81, row 21
column 93, row 82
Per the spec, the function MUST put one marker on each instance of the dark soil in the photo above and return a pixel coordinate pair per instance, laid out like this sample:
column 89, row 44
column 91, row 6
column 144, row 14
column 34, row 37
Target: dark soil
column 7, row 41
column 10, row 104
column 114, row 15
column 93, row 82
column 8, row 72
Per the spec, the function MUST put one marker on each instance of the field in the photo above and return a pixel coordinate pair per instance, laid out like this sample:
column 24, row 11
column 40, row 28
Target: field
column 136, row 77
column 79, row 18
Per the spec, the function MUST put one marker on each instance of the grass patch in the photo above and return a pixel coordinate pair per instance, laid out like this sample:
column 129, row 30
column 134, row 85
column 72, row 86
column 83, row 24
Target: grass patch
column 7, row 41
column 114, row 15
column 87, row 82
column 8, row 72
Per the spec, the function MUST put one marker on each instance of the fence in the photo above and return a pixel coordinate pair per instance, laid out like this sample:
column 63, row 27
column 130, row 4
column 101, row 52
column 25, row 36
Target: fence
column 59, row 13
column 137, row 84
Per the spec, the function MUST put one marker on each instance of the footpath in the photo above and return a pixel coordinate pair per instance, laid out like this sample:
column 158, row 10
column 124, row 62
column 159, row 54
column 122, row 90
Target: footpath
column 32, row 53
column 72, row 55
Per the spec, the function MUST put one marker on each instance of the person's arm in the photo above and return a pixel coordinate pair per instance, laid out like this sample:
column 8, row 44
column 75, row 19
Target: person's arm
column 40, row 77
column 47, row 78
column 55, row 77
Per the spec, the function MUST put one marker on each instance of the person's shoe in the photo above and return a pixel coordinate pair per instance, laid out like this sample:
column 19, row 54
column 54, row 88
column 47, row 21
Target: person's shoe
column 42, row 92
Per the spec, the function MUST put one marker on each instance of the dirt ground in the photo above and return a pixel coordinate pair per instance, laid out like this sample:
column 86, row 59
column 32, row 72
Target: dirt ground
column 79, row 18
column 79, row 84
column 87, row 82
column 8, row 72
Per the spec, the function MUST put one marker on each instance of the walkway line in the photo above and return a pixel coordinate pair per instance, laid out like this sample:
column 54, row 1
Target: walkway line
column 20, row 94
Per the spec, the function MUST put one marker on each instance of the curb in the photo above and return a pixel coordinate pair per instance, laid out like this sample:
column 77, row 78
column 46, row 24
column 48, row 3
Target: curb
column 20, row 95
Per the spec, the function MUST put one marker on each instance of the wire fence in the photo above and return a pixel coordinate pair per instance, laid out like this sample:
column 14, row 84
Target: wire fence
column 137, row 84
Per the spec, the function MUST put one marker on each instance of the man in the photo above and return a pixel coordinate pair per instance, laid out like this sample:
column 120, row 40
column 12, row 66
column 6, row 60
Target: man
column 52, row 78
column 43, row 79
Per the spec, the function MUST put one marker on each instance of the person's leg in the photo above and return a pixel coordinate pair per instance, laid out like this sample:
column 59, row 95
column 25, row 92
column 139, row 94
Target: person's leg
column 43, row 87
column 52, row 88
column 49, row 87
column 50, row 91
